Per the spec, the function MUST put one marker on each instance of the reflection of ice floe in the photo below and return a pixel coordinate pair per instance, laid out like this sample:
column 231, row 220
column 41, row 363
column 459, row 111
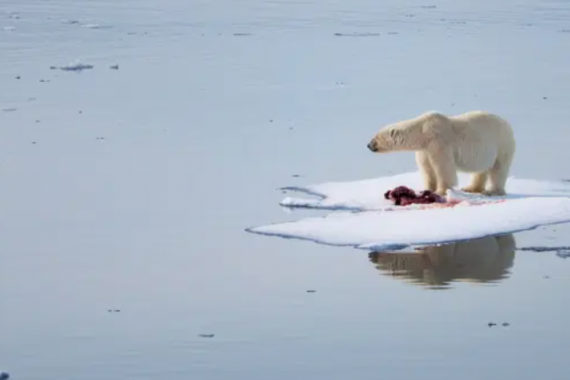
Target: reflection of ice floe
column 486, row 259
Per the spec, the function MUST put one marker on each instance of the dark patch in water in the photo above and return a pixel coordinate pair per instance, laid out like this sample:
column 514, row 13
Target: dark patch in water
column 364, row 34
column 206, row 335
column 544, row 249
column 504, row 324
column 76, row 67
column 562, row 252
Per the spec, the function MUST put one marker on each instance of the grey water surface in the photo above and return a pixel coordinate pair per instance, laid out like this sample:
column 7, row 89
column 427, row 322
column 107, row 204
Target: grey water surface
column 126, row 188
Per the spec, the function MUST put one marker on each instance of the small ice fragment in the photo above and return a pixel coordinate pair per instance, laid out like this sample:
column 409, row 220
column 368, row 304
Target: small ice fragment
column 206, row 335
column 491, row 324
column 11, row 109
column 114, row 67
column 76, row 66
column 95, row 26
column 505, row 324
column 363, row 34
column 311, row 291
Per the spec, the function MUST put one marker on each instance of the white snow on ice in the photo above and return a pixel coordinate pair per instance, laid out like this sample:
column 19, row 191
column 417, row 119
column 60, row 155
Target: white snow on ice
column 377, row 224
column 368, row 194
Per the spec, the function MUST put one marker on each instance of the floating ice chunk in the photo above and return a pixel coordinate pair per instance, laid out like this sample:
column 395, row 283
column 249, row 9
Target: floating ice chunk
column 374, row 223
column 357, row 34
column 95, row 26
column 76, row 66
column 423, row 226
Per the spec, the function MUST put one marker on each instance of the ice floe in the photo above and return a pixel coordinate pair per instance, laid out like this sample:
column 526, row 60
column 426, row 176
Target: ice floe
column 364, row 219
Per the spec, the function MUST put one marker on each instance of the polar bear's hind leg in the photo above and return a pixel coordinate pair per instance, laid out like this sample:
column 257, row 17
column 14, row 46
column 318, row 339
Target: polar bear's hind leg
column 477, row 185
column 498, row 174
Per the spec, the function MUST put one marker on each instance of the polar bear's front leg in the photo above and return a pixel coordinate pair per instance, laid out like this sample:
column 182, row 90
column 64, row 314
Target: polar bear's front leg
column 426, row 170
column 443, row 164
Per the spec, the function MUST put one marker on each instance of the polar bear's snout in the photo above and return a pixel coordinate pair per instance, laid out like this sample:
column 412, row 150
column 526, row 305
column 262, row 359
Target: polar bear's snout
column 372, row 145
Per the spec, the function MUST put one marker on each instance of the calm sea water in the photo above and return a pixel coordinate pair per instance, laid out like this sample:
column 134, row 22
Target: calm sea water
column 125, row 193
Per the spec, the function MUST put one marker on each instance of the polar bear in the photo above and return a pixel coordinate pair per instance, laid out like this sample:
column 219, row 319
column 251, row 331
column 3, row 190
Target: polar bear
column 476, row 142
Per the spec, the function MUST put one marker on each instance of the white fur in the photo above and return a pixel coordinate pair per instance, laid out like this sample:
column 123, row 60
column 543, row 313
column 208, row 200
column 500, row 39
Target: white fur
column 476, row 142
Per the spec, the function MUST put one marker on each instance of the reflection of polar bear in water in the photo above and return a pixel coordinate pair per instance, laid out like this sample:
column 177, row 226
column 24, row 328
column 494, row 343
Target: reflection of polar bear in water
column 482, row 260
column 475, row 142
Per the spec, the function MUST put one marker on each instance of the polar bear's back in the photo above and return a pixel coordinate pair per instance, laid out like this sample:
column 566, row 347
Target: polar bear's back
column 481, row 138
column 480, row 125
column 482, row 121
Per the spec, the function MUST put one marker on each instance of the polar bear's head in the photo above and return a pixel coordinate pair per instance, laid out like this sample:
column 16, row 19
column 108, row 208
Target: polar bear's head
column 397, row 137
column 387, row 140
column 412, row 134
